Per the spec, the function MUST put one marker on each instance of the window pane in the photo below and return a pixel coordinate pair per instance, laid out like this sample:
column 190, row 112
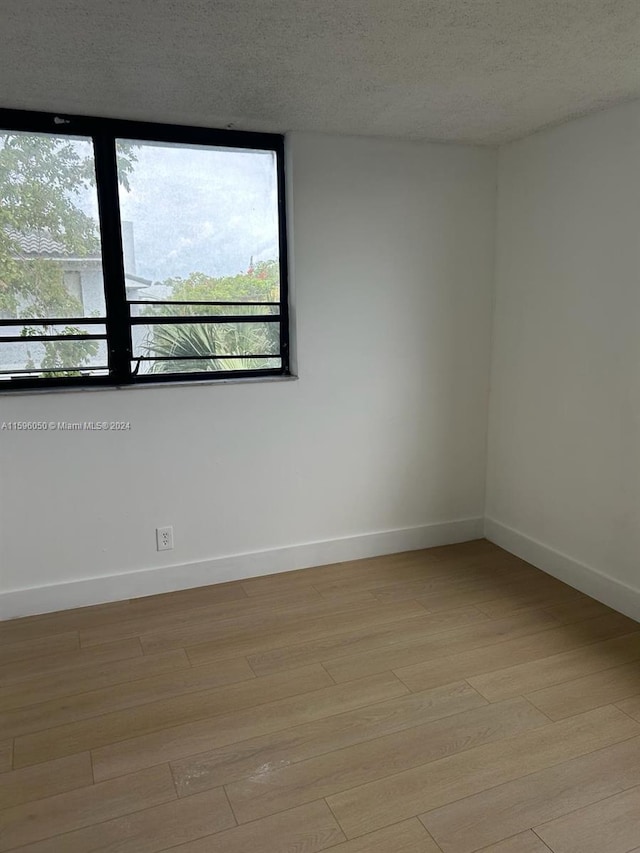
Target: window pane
column 205, row 365
column 50, row 255
column 199, row 223
column 168, row 309
column 53, row 358
column 204, row 340
column 31, row 331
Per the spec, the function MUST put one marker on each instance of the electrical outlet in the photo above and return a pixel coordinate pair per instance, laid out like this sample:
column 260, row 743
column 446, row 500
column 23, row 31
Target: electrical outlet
column 164, row 538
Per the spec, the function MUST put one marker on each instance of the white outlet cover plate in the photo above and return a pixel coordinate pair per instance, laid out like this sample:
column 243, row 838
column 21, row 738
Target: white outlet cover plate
column 164, row 538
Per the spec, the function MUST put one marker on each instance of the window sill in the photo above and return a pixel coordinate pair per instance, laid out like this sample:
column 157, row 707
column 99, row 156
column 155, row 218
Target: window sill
column 83, row 389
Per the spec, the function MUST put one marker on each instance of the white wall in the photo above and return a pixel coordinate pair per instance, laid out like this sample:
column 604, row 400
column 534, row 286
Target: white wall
column 564, row 446
column 384, row 430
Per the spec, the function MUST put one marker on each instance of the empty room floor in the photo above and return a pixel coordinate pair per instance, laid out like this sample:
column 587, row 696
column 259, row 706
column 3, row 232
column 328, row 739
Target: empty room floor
column 454, row 699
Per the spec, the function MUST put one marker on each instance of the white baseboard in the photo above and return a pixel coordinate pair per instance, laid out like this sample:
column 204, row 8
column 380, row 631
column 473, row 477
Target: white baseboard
column 80, row 593
column 625, row 599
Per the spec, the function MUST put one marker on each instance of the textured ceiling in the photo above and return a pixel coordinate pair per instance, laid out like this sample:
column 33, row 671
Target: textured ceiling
column 482, row 71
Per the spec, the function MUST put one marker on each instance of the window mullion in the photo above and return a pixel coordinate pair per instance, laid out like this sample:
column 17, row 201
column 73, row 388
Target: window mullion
column 283, row 258
column 118, row 324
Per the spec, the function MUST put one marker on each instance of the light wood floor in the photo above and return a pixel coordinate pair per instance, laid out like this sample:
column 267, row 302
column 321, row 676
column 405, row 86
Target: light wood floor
column 449, row 700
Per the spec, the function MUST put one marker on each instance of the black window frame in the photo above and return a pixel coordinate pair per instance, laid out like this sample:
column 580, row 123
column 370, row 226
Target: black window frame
column 104, row 132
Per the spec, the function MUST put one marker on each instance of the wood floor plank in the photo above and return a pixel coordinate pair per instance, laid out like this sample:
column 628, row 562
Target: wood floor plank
column 416, row 579
column 631, row 706
column 365, row 640
column 491, row 816
column 333, row 581
column 483, row 577
column 612, row 825
column 513, row 601
column 556, row 669
column 366, row 573
column 430, row 786
column 591, row 691
column 203, row 646
column 503, row 596
column 308, row 829
column 567, row 612
column 529, row 647
column 147, row 831
column 198, row 737
column 55, row 815
column 283, row 583
column 24, row 670
column 77, row 619
column 406, row 837
column 178, row 710
column 45, row 780
column 250, row 757
column 353, row 595
column 220, row 616
column 39, row 646
column 47, row 624
column 525, row 842
column 376, row 572
column 275, row 789
column 69, row 709
column 446, row 643
column 6, row 755
column 421, row 588
column 185, row 599
column 47, row 687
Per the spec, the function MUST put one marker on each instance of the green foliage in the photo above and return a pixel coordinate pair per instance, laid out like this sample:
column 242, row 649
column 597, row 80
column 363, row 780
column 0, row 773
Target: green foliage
column 59, row 355
column 261, row 283
column 202, row 339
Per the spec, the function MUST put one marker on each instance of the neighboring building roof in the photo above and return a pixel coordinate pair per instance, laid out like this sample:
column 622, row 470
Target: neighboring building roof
column 143, row 282
column 136, row 282
column 40, row 244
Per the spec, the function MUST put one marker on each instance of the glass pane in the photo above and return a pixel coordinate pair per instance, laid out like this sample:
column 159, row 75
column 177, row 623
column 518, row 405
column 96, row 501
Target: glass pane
column 203, row 340
column 199, row 223
column 176, row 310
column 53, row 358
column 25, row 330
column 50, row 257
column 205, row 365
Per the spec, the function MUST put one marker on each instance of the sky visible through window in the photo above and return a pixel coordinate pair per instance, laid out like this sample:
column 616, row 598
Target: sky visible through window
column 197, row 209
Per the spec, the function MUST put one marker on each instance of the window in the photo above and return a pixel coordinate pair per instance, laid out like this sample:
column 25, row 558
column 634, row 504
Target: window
column 138, row 253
